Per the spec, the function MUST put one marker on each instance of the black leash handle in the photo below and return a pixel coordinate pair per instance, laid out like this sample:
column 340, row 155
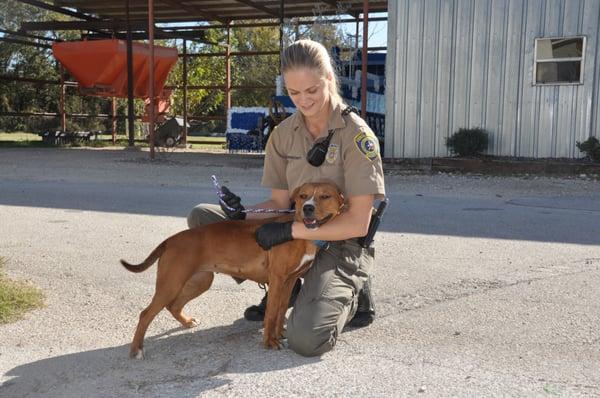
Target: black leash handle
column 366, row 240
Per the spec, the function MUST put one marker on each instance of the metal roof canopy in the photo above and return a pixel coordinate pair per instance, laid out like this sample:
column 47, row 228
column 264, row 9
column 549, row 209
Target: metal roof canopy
column 166, row 11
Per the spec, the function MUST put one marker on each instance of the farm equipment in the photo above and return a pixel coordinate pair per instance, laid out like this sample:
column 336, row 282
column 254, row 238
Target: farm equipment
column 169, row 133
column 100, row 66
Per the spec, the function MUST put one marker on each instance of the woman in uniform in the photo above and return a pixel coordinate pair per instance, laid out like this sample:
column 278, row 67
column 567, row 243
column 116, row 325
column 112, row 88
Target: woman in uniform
column 336, row 288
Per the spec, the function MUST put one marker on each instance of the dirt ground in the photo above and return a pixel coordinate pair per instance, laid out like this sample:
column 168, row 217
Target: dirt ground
column 485, row 286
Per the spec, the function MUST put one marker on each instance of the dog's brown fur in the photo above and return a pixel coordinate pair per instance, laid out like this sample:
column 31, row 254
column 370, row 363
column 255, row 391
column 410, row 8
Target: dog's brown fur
column 189, row 259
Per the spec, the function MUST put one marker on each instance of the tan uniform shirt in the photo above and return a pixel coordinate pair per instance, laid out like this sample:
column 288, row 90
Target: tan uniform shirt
column 353, row 161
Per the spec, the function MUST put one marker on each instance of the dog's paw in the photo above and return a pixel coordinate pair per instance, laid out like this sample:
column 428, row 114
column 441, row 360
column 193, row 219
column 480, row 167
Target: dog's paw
column 192, row 323
column 137, row 354
column 273, row 343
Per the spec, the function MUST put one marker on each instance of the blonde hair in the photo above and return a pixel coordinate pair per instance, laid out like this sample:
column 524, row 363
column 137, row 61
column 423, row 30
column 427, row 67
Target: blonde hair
column 313, row 55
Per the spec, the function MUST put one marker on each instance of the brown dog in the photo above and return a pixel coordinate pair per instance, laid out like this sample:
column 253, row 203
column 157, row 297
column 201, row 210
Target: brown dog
column 188, row 260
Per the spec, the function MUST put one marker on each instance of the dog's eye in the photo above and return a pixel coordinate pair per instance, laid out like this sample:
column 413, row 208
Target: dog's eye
column 324, row 197
column 303, row 196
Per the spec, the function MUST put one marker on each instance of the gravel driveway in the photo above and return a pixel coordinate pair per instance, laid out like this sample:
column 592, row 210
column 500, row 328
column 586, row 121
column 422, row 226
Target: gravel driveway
column 484, row 286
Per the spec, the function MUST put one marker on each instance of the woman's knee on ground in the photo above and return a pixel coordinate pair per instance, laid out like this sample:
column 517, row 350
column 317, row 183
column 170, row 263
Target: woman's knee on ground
column 314, row 331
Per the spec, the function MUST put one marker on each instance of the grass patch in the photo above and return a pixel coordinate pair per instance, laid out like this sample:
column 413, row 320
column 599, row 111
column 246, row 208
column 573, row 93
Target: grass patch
column 206, row 143
column 19, row 136
column 29, row 140
column 16, row 298
column 205, row 140
column 21, row 140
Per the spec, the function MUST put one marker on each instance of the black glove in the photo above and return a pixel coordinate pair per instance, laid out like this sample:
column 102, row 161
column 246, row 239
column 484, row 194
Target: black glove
column 234, row 202
column 274, row 233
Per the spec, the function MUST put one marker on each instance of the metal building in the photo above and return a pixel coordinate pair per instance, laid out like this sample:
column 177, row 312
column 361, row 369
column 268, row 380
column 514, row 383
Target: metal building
column 525, row 70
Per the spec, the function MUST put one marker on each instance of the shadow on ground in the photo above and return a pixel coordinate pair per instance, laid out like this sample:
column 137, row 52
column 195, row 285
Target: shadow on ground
column 548, row 219
column 188, row 362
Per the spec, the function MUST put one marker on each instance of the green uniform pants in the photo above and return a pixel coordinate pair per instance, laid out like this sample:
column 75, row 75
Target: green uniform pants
column 329, row 295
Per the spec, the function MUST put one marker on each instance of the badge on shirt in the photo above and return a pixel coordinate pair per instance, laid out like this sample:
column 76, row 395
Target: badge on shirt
column 367, row 145
column 332, row 153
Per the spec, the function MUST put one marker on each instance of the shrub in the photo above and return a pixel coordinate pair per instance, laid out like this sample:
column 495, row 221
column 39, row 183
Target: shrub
column 591, row 148
column 468, row 142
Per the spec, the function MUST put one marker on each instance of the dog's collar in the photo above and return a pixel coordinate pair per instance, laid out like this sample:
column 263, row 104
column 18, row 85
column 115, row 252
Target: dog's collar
column 322, row 244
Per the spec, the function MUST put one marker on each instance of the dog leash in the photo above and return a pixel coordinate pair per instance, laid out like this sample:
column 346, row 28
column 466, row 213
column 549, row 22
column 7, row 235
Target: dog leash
column 220, row 195
column 321, row 243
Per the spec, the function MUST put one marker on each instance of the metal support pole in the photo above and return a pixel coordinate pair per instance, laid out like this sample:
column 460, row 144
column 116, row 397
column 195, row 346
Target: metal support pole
column 151, row 74
column 114, row 120
column 228, row 70
column 63, row 115
column 281, row 15
column 296, row 31
column 355, row 54
column 185, row 93
column 357, row 31
column 130, row 103
column 364, row 67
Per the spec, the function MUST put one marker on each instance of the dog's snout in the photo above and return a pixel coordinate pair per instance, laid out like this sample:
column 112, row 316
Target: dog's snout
column 308, row 209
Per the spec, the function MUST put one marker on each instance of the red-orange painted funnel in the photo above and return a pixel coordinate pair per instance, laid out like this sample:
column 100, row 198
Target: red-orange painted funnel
column 100, row 66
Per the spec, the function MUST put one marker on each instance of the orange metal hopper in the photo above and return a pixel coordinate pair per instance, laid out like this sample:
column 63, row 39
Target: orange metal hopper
column 100, row 66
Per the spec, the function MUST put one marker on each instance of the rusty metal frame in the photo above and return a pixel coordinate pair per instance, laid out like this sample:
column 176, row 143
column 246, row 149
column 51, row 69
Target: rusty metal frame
column 24, row 42
column 185, row 33
column 61, row 10
column 151, row 74
column 185, row 92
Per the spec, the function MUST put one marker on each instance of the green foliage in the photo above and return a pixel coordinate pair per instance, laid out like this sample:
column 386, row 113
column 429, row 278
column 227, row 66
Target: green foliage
column 591, row 148
column 38, row 63
column 468, row 142
column 258, row 70
column 16, row 298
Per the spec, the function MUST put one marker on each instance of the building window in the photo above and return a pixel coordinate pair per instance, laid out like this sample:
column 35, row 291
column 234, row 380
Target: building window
column 559, row 60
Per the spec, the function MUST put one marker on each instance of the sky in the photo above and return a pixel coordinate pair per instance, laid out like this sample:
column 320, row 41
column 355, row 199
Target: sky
column 377, row 30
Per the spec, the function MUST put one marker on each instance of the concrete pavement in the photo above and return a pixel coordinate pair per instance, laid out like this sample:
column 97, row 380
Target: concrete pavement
column 485, row 286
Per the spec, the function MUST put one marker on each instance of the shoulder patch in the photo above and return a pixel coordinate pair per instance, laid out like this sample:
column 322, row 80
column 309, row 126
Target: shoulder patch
column 366, row 145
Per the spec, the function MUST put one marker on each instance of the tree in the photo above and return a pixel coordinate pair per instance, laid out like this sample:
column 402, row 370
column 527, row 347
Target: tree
column 39, row 63
column 258, row 70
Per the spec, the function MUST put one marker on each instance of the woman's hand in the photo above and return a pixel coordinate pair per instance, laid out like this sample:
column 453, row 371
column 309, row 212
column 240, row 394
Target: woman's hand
column 231, row 204
column 273, row 233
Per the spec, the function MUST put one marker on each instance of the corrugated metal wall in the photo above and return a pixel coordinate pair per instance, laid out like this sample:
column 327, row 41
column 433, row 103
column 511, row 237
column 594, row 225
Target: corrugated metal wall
column 469, row 63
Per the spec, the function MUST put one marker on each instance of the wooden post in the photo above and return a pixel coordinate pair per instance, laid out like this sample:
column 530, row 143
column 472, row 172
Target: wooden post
column 363, row 70
column 151, row 74
column 185, row 93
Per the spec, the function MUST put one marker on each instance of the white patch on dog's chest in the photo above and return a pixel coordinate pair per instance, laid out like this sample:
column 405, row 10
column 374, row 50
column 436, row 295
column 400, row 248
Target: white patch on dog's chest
column 305, row 259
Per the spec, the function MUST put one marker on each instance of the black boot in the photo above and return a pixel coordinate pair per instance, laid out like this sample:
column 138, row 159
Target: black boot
column 365, row 312
column 257, row 312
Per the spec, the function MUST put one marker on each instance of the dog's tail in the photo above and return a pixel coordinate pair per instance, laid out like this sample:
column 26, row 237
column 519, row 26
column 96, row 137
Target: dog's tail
column 156, row 253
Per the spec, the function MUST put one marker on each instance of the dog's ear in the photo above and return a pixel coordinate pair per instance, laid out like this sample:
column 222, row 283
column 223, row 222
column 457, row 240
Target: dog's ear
column 342, row 198
column 294, row 194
